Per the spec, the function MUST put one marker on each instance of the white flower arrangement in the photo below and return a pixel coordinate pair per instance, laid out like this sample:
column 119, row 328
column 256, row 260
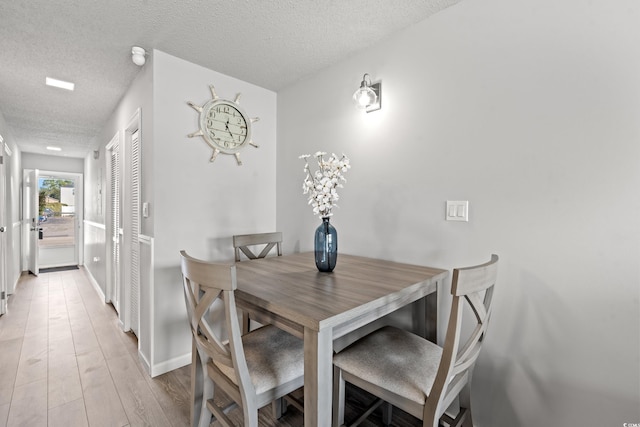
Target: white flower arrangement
column 322, row 185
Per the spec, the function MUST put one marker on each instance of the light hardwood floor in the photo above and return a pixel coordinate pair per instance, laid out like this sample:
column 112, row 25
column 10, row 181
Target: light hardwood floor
column 64, row 361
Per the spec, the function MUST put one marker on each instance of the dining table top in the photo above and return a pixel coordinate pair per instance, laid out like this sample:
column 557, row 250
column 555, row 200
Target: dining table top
column 291, row 287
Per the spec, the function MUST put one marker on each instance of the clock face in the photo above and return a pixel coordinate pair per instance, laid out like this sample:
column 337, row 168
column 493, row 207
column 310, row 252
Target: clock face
column 225, row 125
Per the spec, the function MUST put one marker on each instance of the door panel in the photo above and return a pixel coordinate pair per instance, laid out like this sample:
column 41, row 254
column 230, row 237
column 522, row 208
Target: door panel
column 3, row 235
column 114, row 228
column 134, row 221
column 60, row 195
column 31, row 207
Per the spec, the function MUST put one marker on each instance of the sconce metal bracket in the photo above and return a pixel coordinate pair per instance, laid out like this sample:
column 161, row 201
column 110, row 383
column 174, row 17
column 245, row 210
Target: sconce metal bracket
column 377, row 88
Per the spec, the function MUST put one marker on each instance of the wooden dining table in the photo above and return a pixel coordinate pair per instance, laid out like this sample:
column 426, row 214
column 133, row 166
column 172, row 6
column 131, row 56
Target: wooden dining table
column 289, row 292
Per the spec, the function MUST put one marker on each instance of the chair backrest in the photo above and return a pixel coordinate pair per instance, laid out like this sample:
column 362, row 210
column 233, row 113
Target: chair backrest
column 242, row 243
column 204, row 284
column 475, row 285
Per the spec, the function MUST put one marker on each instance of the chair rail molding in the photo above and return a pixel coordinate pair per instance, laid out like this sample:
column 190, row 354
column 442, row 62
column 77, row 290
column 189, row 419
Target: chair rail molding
column 95, row 224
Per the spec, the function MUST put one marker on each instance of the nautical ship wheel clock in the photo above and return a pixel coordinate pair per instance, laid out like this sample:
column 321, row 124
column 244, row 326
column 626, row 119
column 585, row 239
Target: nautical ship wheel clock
column 224, row 125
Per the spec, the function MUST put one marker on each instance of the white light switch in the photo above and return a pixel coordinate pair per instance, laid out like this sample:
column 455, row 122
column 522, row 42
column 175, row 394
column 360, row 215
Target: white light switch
column 145, row 209
column 457, row 210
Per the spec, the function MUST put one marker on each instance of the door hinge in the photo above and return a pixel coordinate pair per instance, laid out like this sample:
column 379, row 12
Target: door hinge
column 2, row 295
column 1, row 160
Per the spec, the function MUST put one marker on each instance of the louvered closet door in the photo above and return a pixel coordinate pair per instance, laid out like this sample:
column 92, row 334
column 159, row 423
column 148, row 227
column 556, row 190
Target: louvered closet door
column 116, row 230
column 134, row 280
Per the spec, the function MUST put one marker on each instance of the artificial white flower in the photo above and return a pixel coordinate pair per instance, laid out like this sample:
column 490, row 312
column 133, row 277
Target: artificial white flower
column 321, row 185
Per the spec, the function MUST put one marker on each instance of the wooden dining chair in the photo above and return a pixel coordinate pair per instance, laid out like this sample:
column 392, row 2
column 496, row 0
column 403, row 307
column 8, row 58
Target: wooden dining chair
column 243, row 244
column 246, row 244
column 414, row 374
column 253, row 369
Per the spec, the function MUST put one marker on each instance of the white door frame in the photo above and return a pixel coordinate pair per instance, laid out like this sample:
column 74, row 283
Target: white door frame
column 77, row 178
column 30, row 219
column 3, row 234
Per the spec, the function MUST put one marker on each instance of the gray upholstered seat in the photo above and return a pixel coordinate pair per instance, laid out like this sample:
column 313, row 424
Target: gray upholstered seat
column 273, row 357
column 254, row 369
column 376, row 358
column 417, row 375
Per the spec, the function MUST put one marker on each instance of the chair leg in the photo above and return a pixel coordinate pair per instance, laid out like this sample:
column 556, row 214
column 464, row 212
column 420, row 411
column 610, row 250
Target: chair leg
column 201, row 390
column 338, row 397
column 387, row 413
column 279, row 408
column 250, row 416
column 465, row 405
column 196, row 388
column 205, row 412
column 246, row 323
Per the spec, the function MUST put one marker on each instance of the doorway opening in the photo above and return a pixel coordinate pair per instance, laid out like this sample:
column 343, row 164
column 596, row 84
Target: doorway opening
column 58, row 214
column 58, row 220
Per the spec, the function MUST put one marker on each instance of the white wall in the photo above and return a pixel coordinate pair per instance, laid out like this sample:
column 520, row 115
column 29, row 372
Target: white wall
column 199, row 205
column 12, row 182
column 531, row 111
column 139, row 96
column 52, row 163
column 13, row 192
column 194, row 204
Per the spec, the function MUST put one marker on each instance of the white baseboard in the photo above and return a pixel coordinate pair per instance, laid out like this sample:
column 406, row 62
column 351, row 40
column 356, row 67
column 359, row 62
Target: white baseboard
column 94, row 283
column 170, row 365
column 145, row 362
column 11, row 290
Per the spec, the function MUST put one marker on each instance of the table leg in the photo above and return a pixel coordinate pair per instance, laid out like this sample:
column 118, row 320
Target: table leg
column 419, row 320
column 431, row 302
column 318, row 377
column 425, row 317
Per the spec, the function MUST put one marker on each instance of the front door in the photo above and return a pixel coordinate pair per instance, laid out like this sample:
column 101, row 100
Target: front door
column 59, row 196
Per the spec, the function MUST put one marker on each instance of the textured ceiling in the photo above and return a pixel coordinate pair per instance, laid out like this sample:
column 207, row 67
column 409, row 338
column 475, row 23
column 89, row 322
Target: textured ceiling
column 271, row 43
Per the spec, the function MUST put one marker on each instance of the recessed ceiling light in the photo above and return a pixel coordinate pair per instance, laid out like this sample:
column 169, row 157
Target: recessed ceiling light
column 54, row 148
column 59, row 83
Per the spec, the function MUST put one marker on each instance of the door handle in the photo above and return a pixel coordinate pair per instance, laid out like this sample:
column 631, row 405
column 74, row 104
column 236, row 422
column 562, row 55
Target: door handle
column 2, row 229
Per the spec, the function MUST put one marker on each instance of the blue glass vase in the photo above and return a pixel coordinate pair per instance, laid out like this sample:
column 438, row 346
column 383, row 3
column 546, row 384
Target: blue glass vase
column 325, row 245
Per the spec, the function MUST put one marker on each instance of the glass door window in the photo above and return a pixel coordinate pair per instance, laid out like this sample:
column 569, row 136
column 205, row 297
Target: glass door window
column 57, row 221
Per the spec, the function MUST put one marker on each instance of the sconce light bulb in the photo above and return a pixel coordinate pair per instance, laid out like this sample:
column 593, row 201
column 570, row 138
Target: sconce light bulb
column 364, row 97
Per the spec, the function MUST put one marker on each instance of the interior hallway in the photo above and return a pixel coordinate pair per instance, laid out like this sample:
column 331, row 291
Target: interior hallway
column 64, row 361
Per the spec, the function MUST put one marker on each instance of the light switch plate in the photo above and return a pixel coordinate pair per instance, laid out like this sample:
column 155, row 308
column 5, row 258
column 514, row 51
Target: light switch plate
column 457, row 210
column 145, row 210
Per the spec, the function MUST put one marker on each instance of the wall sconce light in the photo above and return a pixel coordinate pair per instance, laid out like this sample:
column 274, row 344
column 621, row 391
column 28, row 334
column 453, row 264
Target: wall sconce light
column 368, row 95
column 138, row 55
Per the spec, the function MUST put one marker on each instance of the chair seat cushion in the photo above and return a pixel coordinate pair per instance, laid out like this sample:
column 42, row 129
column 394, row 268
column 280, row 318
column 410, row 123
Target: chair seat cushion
column 273, row 357
column 394, row 360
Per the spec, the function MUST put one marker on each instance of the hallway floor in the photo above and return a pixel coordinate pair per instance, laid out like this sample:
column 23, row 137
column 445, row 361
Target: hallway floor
column 64, row 361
